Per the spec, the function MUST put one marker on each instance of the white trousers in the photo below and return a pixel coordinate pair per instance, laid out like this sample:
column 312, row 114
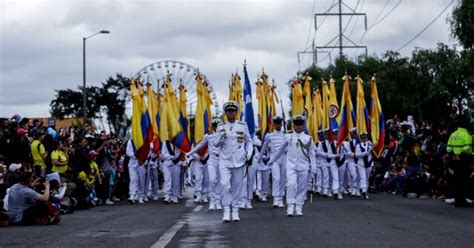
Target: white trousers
column 296, row 191
column 171, row 174
column 319, row 177
column 352, row 173
column 341, row 170
column 152, row 181
column 136, row 186
column 364, row 174
column 249, row 183
column 279, row 178
column 215, row 187
column 232, row 182
column 201, row 179
column 264, row 182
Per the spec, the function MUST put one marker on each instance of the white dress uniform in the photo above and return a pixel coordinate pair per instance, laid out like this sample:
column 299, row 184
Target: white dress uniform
column 351, row 163
column 137, row 176
column 152, row 175
column 263, row 175
column 235, row 150
column 201, row 177
column 329, row 153
column 300, row 160
column 251, row 177
column 215, row 187
column 171, row 172
column 276, row 143
column 322, row 173
column 341, row 170
column 364, row 165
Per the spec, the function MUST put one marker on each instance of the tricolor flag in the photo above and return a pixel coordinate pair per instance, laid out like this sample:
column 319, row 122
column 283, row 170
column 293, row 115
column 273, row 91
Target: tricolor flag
column 377, row 127
column 201, row 119
column 182, row 139
column 168, row 117
column 142, row 132
column 333, row 106
column 317, row 114
column 238, row 94
column 325, row 107
column 362, row 115
column 347, row 112
column 308, row 105
column 153, row 111
column 297, row 104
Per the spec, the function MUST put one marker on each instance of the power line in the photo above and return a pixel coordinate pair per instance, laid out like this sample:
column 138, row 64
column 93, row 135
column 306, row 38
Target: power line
column 383, row 18
column 355, row 23
column 310, row 24
column 341, row 31
column 425, row 28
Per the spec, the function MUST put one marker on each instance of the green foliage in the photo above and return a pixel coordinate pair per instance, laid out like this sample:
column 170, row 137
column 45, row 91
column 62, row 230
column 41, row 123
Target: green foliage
column 462, row 23
column 430, row 85
column 109, row 99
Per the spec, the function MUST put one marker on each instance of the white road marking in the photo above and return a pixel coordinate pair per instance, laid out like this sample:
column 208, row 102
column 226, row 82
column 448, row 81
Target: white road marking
column 198, row 208
column 166, row 238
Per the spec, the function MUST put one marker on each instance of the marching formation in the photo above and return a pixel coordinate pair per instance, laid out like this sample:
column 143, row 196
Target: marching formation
column 322, row 150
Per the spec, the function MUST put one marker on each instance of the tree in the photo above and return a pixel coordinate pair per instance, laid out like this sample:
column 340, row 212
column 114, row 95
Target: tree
column 110, row 100
column 428, row 85
column 462, row 23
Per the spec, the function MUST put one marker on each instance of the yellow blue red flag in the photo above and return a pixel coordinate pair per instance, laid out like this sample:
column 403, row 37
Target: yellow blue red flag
column 377, row 121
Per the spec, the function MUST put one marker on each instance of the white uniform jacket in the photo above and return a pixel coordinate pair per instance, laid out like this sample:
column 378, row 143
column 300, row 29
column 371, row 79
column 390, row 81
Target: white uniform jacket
column 300, row 155
column 236, row 147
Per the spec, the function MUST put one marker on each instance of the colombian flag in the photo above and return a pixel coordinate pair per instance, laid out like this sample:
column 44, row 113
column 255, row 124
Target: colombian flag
column 325, row 107
column 153, row 111
column 168, row 117
column 317, row 113
column 376, row 119
column 347, row 112
column 142, row 132
column 297, row 107
column 334, row 112
column 182, row 139
column 308, row 105
column 201, row 119
column 362, row 116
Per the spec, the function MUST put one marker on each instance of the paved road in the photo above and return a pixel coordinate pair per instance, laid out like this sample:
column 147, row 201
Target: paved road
column 382, row 221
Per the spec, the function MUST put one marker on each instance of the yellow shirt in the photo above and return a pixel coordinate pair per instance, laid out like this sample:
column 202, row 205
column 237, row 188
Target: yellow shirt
column 37, row 149
column 89, row 179
column 60, row 156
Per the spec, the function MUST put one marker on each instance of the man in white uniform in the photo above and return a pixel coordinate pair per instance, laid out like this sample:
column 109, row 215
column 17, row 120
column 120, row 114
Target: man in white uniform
column 171, row 167
column 364, row 163
column 328, row 151
column 212, row 140
column 300, row 161
column 275, row 142
column 349, row 147
column 137, row 172
column 321, row 169
column 235, row 150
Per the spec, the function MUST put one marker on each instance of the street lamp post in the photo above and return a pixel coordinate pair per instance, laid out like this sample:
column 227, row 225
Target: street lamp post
column 84, row 92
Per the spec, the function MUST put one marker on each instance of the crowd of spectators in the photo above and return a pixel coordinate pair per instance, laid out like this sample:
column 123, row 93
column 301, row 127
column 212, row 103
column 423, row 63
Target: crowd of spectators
column 415, row 162
column 46, row 172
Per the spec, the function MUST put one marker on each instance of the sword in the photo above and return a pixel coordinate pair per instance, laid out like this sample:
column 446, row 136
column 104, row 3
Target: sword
column 282, row 111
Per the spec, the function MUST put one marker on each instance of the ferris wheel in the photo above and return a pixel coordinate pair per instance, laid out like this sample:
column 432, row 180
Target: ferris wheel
column 180, row 73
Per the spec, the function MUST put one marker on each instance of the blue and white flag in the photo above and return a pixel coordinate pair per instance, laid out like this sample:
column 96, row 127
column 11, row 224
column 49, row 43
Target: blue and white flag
column 248, row 110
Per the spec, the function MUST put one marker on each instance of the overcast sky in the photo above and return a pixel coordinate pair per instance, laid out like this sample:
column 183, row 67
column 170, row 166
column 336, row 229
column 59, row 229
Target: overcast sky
column 41, row 41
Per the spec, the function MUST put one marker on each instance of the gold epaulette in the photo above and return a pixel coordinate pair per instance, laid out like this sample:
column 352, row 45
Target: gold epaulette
column 242, row 122
column 220, row 124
